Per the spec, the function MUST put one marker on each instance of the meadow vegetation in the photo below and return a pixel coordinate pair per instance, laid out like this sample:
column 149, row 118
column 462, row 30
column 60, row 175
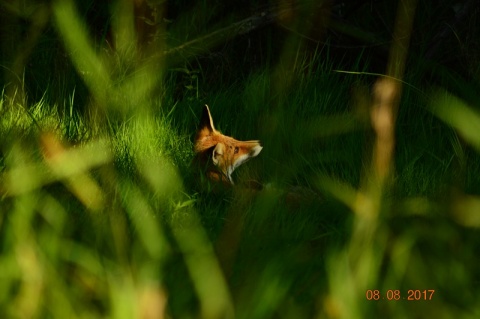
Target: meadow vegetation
column 101, row 215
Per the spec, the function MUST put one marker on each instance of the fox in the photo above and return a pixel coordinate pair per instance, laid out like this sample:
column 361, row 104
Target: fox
column 219, row 155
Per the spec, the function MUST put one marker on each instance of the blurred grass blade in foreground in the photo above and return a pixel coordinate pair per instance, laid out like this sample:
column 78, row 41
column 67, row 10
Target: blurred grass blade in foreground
column 93, row 68
column 458, row 115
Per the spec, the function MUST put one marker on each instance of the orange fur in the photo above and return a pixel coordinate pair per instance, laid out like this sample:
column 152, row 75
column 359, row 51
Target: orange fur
column 219, row 154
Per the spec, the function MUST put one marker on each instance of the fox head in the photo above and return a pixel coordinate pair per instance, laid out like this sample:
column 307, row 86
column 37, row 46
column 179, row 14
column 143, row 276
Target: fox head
column 223, row 152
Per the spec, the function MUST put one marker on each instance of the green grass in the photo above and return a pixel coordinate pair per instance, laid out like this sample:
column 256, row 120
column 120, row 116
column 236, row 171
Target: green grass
column 101, row 215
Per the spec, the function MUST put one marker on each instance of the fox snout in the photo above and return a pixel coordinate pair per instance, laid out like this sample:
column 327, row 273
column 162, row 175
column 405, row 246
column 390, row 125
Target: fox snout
column 223, row 152
column 228, row 157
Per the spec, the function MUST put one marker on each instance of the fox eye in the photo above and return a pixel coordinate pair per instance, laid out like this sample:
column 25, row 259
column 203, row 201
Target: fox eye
column 236, row 150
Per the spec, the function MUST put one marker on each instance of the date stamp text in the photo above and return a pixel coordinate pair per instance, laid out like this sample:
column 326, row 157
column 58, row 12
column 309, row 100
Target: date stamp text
column 411, row 294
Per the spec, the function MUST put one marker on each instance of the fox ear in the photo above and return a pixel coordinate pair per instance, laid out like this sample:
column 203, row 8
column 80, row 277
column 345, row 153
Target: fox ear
column 217, row 153
column 206, row 122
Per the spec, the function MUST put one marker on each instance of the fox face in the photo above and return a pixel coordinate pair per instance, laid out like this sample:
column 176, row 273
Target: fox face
column 221, row 154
